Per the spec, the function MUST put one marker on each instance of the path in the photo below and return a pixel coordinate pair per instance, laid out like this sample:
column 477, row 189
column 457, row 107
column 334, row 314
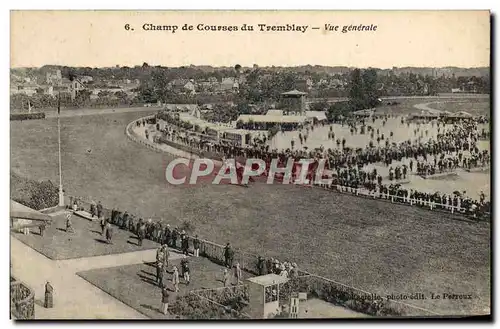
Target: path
column 74, row 298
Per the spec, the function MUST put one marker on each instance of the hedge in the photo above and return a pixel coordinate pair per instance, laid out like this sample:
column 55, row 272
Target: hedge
column 27, row 116
column 33, row 194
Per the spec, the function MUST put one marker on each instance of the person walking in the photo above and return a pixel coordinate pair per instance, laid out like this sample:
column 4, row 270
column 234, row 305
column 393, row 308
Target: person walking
column 175, row 279
column 42, row 228
column 69, row 224
column 109, row 233
column 99, row 209
column 164, row 300
column 237, row 273
column 103, row 225
column 93, row 209
column 49, row 296
column 225, row 277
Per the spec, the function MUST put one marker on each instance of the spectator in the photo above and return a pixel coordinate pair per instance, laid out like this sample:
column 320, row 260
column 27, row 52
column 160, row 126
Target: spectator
column 175, row 279
column 69, row 224
column 49, row 300
column 225, row 277
column 185, row 271
column 164, row 300
column 228, row 256
column 196, row 246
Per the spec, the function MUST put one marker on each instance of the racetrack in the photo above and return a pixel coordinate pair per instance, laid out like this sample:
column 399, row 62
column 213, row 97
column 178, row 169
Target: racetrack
column 372, row 245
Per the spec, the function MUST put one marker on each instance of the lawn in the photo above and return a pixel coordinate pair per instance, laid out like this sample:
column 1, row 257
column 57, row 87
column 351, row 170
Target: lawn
column 476, row 106
column 86, row 241
column 135, row 285
column 372, row 245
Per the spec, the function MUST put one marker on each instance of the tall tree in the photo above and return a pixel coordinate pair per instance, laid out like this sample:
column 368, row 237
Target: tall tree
column 370, row 88
column 356, row 92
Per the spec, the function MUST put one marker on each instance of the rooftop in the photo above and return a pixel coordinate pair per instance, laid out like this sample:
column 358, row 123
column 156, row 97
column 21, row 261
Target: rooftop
column 272, row 118
column 294, row 92
column 268, row 279
column 18, row 210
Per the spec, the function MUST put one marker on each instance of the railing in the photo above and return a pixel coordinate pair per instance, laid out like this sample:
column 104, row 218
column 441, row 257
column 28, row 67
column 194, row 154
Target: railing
column 230, row 299
column 22, row 301
column 350, row 297
column 429, row 204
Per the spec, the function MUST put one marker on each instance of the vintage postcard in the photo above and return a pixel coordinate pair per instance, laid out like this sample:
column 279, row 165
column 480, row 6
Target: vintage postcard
column 179, row 165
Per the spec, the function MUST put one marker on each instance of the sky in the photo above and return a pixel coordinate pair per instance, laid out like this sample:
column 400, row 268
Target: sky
column 100, row 39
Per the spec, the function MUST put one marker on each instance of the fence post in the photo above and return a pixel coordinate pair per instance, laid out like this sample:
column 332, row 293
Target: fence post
column 392, row 199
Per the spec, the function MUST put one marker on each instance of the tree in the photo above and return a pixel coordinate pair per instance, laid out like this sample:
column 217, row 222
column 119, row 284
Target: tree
column 363, row 92
column 370, row 88
column 356, row 92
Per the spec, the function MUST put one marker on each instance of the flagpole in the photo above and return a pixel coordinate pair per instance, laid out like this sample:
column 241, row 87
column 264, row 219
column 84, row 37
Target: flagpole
column 61, row 193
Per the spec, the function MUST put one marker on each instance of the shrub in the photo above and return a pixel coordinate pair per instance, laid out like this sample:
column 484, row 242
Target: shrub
column 27, row 116
column 34, row 194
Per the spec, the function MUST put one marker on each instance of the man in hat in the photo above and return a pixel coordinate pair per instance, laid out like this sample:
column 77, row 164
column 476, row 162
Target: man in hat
column 185, row 271
column 175, row 235
column 185, row 245
column 49, row 300
column 99, row 210
column 167, row 235
column 196, row 246
column 93, row 208
column 103, row 225
column 228, row 255
column 141, row 234
column 270, row 264
column 260, row 265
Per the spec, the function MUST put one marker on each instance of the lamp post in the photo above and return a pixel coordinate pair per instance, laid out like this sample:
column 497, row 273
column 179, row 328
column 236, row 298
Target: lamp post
column 61, row 192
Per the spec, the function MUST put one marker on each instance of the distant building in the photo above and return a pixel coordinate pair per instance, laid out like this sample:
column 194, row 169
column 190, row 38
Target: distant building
column 182, row 86
column 70, row 87
column 28, row 89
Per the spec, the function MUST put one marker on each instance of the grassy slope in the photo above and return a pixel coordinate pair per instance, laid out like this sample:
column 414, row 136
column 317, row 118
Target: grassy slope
column 372, row 245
